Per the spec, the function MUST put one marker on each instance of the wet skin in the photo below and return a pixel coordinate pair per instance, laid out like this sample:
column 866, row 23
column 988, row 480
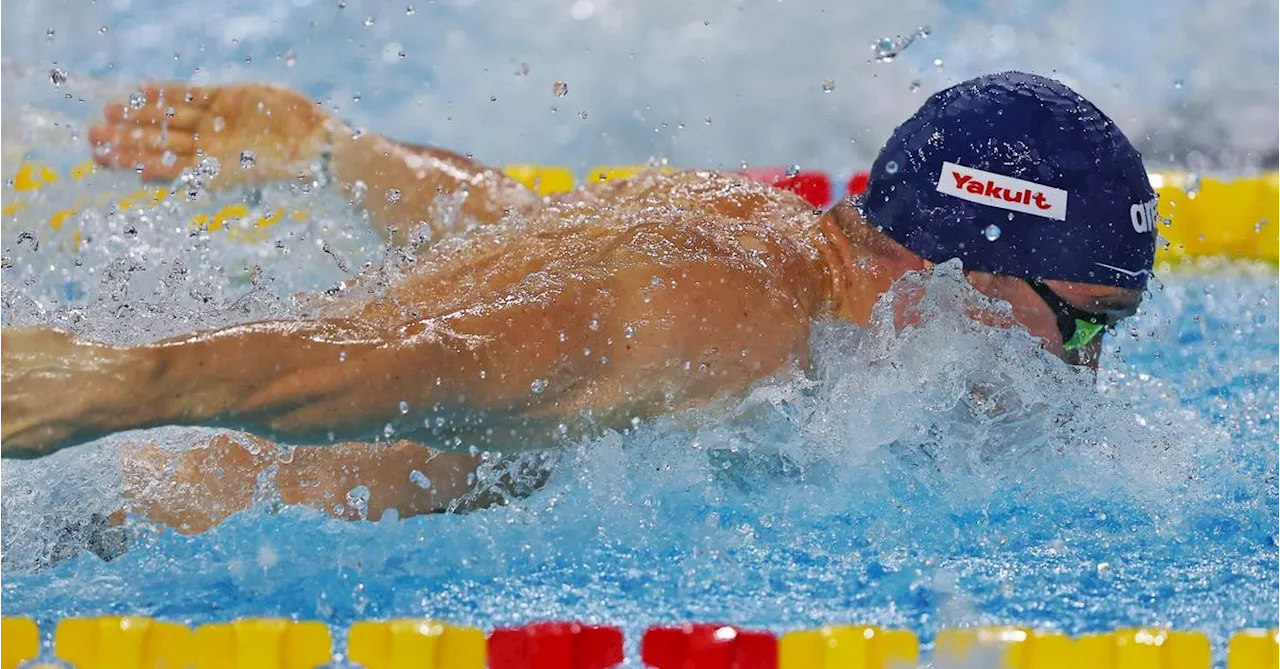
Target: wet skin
column 555, row 318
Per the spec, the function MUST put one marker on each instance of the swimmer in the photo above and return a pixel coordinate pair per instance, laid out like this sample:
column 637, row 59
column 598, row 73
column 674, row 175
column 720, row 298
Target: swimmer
column 552, row 319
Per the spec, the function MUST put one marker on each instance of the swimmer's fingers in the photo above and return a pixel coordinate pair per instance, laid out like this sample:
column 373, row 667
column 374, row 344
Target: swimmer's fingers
column 175, row 105
column 158, row 139
column 150, row 165
column 154, row 157
column 180, row 116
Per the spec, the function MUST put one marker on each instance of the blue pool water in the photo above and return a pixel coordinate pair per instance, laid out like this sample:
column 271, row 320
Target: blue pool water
column 867, row 493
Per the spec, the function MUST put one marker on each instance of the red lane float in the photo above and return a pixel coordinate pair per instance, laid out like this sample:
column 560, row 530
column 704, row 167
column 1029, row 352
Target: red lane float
column 708, row 646
column 555, row 645
column 813, row 186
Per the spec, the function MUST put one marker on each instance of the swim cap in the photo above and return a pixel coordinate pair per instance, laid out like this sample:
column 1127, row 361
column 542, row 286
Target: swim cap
column 1017, row 174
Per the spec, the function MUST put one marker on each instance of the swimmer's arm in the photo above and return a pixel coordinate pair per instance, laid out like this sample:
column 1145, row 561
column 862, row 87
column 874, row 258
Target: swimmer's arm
column 402, row 185
column 259, row 133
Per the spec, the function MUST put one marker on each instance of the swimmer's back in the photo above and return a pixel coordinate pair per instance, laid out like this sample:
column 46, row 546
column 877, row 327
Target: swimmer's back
column 652, row 220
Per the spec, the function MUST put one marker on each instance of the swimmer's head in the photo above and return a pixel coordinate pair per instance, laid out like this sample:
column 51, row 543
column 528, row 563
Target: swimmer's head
column 1023, row 179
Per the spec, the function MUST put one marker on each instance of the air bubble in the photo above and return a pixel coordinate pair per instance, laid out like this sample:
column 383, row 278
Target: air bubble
column 247, row 160
column 992, row 232
column 419, row 479
column 629, row 331
column 559, row 89
column 219, row 124
column 388, row 430
column 891, row 167
column 938, row 64
column 393, row 195
column 914, row 86
column 793, row 170
column 582, row 114
column 828, row 85
column 538, row 386
column 58, row 76
column 137, row 100
column 404, row 407
column 409, row 10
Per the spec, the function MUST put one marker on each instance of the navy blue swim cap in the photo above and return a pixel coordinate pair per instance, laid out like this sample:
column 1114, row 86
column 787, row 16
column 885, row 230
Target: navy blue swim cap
column 1017, row 174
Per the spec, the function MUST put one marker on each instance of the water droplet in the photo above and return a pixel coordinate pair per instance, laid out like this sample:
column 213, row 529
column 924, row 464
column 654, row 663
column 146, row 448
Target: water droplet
column 891, row 167
column 290, row 58
column 635, row 422
column 828, row 85
column 493, row 98
column 409, row 10
column 938, row 64
column 792, row 170
column 358, row 499
column 1192, row 186
column 342, row 356
column 582, row 114
column 559, row 89
column 58, row 76
column 219, row 124
column 419, row 479
column 538, row 386
column 404, row 407
column 102, row 30
column 886, row 49
column 247, row 160
column 991, row 232
column 593, row 324
column 914, row 86
column 1178, row 83
column 388, row 430
column 629, row 331
column 707, row 120
column 26, row 236
column 48, row 34
column 137, row 100
column 368, row 21
column 209, row 167
column 393, row 195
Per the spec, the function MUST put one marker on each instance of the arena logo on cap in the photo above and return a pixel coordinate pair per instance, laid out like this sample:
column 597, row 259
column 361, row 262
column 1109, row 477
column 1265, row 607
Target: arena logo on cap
column 1144, row 216
column 1005, row 192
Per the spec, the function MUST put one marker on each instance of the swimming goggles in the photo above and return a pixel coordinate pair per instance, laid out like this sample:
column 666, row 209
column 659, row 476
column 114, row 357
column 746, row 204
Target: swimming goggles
column 1077, row 326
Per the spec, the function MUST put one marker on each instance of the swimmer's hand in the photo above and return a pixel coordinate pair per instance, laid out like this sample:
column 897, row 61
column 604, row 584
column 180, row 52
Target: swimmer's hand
column 256, row 132
column 58, row 390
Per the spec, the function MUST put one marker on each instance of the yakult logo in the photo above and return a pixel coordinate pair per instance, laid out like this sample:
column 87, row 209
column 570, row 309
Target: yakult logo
column 998, row 190
column 1144, row 216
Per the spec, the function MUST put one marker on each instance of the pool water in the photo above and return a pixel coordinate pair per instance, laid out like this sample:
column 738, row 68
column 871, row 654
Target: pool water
column 875, row 489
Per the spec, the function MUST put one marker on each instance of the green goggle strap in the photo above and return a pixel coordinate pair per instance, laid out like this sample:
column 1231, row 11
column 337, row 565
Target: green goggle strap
column 1085, row 333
